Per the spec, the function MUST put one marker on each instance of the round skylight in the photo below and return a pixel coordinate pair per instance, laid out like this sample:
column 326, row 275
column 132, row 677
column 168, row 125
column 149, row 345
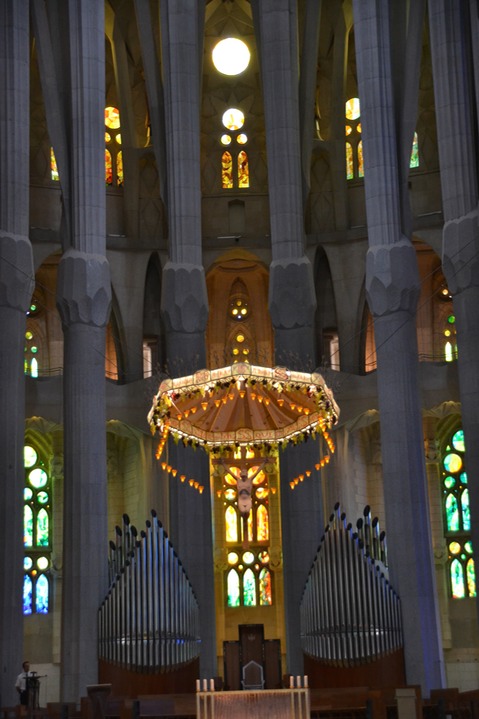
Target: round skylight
column 233, row 119
column 231, row 56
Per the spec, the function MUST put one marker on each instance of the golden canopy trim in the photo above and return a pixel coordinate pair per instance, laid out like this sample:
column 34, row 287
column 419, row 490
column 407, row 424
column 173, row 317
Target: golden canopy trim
column 243, row 405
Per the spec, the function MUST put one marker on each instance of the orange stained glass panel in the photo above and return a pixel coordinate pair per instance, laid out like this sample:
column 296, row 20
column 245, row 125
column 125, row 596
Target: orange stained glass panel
column 119, row 168
column 108, row 168
column 349, row 161
column 262, row 523
column 226, row 171
column 231, row 524
column 243, row 169
column 112, row 118
column 360, row 159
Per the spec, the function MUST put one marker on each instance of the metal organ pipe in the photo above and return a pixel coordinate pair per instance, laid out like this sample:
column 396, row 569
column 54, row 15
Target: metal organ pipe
column 349, row 611
column 149, row 619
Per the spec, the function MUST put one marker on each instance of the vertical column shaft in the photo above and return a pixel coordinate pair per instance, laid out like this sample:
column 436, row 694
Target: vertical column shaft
column 457, row 138
column 83, row 299
column 16, row 287
column 392, row 286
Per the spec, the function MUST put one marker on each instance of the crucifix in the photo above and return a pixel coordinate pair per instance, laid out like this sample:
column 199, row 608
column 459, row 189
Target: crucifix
column 243, row 479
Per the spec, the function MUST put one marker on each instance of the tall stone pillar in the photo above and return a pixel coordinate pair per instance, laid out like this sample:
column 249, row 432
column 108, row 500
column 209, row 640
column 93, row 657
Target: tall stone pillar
column 184, row 299
column 83, row 299
column 457, row 144
column 392, row 286
column 16, row 288
column 292, row 300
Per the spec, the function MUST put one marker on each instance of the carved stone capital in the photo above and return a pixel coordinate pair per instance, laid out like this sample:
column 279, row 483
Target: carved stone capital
column 392, row 278
column 17, row 276
column 460, row 254
column 292, row 299
column 184, row 299
column 83, row 289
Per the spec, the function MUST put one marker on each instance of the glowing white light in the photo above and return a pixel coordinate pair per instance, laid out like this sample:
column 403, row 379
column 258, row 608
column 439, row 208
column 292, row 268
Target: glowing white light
column 231, row 56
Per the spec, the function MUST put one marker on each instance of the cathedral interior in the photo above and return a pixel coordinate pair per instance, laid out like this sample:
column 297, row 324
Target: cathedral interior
column 266, row 197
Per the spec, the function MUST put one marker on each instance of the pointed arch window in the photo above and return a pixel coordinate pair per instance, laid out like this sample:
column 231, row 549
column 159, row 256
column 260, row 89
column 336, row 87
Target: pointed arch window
column 37, row 533
column 457, row 517
column 113, row 152
column 354, row 143
column 234, row 160
column 248, row 577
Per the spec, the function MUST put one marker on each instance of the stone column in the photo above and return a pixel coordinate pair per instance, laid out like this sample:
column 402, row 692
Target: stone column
column 457, row 144
column 83, row 299
column 184, row 299
column 292, row 299
column 16, row 288
column 392, row 287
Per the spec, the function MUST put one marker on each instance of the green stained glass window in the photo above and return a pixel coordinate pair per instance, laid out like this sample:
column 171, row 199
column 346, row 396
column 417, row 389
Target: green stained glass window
column 29, row 456
column 471, row 578
column 233, row 589
column 37, row 539
column 42, row 528
column 38, row 477
column 466, row 515
column 452, row 462
column 249, row 588
column 458, row 441
column 452, row 513
column 457, row 518
column 457, row 579
column 27, row 526
column 414, row 160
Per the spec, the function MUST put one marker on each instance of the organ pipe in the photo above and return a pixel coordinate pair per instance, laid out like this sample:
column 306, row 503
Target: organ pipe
column 349, row 612
column 149, row 619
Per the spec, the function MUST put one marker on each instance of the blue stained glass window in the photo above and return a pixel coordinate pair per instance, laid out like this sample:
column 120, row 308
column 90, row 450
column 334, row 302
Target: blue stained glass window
column 466, row 514
column 41, row 594
column 27, row 594
column 37, row 537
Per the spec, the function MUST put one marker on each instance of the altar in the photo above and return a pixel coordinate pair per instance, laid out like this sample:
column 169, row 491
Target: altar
column 293, row 703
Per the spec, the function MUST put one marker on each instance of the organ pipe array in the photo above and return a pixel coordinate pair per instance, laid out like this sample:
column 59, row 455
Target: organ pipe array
column 350, row 614
column 149, row 619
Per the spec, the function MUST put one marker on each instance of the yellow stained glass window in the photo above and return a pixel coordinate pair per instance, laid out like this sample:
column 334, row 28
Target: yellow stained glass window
column 226, row 170
column 243, row 169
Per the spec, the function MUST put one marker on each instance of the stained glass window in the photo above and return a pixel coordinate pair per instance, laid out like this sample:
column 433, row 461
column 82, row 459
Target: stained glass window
column 31, row 352
column 37, row 533
column 243, row 169
column 113, row 153
column 414, row 161
column 354, row 144
column 53, row 166
column 248, row 577
column 227, row 170
column 457, row 518
column 234, row 165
